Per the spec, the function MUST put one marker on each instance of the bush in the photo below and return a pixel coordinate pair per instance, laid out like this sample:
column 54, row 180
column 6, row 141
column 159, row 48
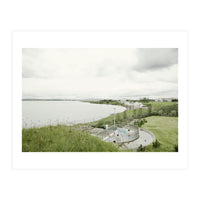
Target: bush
column 140, row 148
column 160, row 112
column 163, row 110
column 118, row 118
column 140, row 122
column 139, row 112
column 156, row 144
column 154, row 113
column 176, row 147
column 134, row 113
column 124, row 115
column 144, row 100
column 173, row 113
column 149, row 109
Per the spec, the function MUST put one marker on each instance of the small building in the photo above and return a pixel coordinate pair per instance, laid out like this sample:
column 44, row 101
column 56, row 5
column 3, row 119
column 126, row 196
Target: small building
column 163, row 100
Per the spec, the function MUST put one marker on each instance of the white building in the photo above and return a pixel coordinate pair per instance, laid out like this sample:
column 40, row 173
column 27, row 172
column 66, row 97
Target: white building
column 164, row 99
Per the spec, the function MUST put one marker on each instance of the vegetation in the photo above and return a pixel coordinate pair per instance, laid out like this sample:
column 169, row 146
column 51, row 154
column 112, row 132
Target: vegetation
column 176, row 147
column 140, row 122
column 174, row 100
column 144, row 100
column 108, row 101
column 63, row 139
column 160, row 118
column 154, row 109
column 123, row 117
column 141, row 149
column 166, row 131
column 156, row 144
column 163, row 109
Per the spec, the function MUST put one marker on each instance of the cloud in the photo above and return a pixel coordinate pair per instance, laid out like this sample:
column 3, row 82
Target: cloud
column 98, row 72
column 154, row 59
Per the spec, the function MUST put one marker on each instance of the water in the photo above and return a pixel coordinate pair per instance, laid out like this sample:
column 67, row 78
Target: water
column 42, row 113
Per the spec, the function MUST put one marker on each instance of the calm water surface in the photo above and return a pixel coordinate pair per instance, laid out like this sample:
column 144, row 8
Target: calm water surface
column 41, row 113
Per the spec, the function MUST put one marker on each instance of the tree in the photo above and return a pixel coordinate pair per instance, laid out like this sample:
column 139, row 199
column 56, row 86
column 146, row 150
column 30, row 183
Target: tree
column 144, row 100
column 173, row 113
column 124, row 115
column 176, row 147
column 140, row 122
column 149, row 109
column 134, row 113
column 140, row 112
column 160, row 112
column 118, row 118
column 141, row 148
column 156, row 144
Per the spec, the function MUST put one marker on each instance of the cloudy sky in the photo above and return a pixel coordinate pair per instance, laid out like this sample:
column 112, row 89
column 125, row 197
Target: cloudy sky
column 99, row 73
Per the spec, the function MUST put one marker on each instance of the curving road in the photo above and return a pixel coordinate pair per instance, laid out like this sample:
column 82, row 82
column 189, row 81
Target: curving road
column 145, row 139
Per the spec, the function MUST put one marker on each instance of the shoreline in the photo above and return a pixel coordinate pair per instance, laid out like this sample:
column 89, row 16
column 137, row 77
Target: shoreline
column 26, row 124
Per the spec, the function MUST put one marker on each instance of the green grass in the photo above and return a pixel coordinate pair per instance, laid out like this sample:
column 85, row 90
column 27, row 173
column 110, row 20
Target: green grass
column 156, row 105
column 166, row 131
column 62, row 138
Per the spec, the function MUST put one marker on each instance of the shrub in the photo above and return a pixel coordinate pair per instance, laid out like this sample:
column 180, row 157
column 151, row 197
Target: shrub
column 134, row 113
column 144, row 100
column 149, row 109
column 140, row 122
column 124, row 115
column 176, row 147
column 173, row 113
column 160, row 112
column 140, row 148
column 156, row 144
column 118, row 118
column 139, row 112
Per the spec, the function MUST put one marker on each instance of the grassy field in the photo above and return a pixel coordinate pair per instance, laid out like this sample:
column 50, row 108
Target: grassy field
column 62, row 139
column 156, row 104
column 166, row 131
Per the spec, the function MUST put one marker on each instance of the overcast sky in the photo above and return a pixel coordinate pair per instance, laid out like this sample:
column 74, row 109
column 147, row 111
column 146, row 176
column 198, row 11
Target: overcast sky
column 99, row 73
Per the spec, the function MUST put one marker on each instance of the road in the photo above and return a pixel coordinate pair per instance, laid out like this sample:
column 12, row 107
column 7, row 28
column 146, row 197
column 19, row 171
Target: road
column 144, row 140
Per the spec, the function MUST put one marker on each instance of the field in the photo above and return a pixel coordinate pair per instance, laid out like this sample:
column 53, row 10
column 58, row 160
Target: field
column 166, row 131
column 62, row 139
column 160, row 104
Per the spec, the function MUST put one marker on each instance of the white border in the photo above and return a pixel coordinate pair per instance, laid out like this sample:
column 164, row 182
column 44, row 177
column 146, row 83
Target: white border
column 99, row 39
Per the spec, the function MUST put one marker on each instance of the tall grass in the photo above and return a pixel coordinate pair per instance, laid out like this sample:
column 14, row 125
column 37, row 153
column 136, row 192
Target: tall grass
column 62, row 138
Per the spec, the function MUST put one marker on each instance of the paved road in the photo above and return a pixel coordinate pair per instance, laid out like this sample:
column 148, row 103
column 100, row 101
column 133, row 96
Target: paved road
column 144, row 139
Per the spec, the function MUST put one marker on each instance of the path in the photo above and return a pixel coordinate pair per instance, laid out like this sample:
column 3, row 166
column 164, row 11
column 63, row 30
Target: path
column 145, row 139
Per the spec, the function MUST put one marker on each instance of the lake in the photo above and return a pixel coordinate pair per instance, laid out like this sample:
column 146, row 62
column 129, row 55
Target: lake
column 42, row 113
